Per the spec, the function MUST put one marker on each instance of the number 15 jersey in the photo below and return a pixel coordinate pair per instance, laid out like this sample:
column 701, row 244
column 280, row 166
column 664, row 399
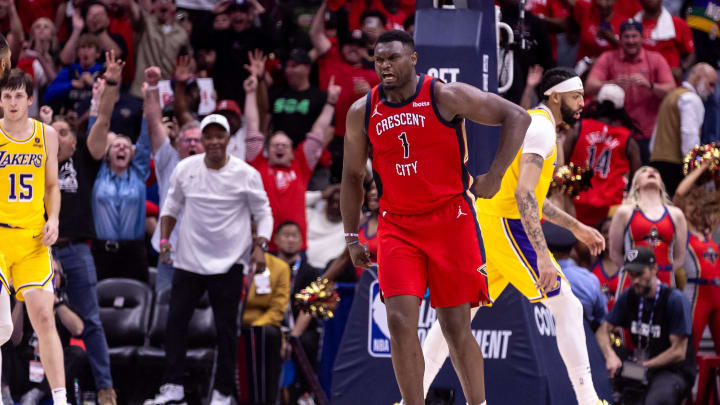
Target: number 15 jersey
column 22, row 179
column 418, row 158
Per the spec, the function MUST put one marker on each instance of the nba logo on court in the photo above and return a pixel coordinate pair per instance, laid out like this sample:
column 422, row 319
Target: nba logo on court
column 378, row 331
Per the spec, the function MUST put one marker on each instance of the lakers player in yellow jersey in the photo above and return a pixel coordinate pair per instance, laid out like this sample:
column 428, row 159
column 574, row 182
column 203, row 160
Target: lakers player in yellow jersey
column 6, row 326
column 28, row 193
column 515, row 248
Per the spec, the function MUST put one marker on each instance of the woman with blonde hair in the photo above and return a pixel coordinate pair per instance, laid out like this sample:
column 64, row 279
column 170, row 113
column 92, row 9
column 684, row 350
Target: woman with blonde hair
column 701, row 206
column 648, row 218
column 43, row 46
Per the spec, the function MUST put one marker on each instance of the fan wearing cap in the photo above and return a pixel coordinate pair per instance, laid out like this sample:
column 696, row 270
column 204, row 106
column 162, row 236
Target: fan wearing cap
column 679, row 124
column 218, row 195
column 644, row 75
column 603, row 142
column 657, row 318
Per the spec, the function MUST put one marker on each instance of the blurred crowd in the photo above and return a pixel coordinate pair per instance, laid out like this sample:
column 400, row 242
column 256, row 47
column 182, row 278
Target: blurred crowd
column 132, row 87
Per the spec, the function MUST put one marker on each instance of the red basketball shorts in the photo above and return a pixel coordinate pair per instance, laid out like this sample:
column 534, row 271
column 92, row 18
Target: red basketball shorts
column 440, row 250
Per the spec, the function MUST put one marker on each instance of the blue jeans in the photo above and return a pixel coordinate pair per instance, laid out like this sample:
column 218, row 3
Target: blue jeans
column 79, row 267
column 164, row 278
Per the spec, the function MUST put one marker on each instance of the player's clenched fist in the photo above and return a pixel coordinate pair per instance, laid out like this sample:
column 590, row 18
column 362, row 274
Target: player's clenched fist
column 359, row 255
column 486, row 185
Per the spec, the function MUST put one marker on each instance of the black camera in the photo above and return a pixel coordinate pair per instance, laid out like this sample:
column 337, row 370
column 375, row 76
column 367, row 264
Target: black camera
column 630, row 384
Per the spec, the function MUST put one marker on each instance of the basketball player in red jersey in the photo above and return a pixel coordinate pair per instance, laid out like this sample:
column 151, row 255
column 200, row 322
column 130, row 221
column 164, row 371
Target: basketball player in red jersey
column 702, row 261
column 427, row 230
column 647, row 218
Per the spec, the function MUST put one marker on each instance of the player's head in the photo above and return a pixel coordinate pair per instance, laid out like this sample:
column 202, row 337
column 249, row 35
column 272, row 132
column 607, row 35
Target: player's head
column 280, row 149
column 215, row 137
column 646, row 178
column 395, row 59
column 120, row 153
column 288, row 238
column 4, row 59
column 561, row 87
column 189, row 140
column 641, row 268
column 67, row 141
column 16, row 95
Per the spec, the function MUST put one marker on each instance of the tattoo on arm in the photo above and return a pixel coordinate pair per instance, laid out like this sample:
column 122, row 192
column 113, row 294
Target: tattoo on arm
column 530, row 218
column 534, row 159
column 557, row 216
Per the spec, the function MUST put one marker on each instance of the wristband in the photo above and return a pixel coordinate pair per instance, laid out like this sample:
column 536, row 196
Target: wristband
column 330, row 104
column 163, row 240
column 352, row 242
column 61, row 301
column 111, row 82
column 151, row 88
column 351, row 235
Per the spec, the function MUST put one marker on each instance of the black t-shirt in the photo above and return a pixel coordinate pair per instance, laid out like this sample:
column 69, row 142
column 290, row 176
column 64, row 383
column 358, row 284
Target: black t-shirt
column 76, row 177
column 295, row 112
column 670, row 316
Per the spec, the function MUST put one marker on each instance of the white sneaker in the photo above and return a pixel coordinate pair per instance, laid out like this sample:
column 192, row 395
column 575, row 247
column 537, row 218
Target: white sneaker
column 220, row 399
column 170, row 394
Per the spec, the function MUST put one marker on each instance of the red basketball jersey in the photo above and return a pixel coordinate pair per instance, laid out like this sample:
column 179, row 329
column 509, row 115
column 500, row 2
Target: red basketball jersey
column 602, row 147
column 608, row 284
column 656, row 235
column 701, row 260
column 418, row 158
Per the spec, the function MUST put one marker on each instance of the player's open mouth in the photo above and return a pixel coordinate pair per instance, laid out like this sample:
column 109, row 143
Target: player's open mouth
column 388, row 76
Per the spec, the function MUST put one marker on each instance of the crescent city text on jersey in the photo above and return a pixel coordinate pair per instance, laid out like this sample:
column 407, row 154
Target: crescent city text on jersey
column 395, row 120
column 20, row 159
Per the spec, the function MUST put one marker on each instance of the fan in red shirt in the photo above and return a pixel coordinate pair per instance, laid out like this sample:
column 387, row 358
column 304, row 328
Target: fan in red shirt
column 668, row 35
column 428, row 234
column 286, row 172
column 604, row 144
column 599, row 26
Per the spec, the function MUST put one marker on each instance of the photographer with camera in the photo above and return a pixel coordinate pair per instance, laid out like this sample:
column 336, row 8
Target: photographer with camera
column 658, row 319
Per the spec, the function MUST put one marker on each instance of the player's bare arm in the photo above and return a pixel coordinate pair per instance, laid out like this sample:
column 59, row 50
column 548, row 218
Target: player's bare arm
column 351, row 187
column 52, row 189
column 680, row 240
column 530, row 167
column 460, row 100
column 585, row 234
column 615, row 234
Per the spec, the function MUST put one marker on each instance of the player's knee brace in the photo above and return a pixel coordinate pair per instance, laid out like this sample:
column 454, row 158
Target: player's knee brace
column 565, row 306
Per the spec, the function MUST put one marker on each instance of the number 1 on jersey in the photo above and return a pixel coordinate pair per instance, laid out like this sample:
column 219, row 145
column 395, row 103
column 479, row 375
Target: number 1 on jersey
column 405, row 144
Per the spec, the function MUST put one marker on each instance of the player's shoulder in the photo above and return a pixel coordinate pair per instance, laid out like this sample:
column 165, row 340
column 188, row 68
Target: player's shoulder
column 357, row 114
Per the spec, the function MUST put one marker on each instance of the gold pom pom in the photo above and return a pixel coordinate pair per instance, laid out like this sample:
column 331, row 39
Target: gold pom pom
column 319, row 299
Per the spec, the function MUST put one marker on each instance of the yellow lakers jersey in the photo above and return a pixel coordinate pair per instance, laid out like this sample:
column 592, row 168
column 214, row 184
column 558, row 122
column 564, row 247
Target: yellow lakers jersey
column 22, row 178
column 504, row 204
